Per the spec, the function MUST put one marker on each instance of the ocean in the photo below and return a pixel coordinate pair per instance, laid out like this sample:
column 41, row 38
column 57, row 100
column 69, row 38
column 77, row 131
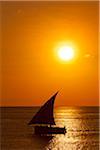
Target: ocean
column 82, row 125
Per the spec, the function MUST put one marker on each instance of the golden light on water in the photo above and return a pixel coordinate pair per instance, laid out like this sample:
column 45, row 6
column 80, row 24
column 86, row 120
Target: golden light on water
column 66, row 53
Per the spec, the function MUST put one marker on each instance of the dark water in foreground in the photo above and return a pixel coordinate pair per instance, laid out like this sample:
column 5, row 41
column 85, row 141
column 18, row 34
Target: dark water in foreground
column 82, row 125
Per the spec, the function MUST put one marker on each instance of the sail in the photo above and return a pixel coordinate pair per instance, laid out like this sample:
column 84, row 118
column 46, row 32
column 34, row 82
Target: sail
column 45, row 114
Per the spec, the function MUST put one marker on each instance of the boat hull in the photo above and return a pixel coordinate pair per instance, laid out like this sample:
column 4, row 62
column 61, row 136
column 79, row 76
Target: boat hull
column 49, row 130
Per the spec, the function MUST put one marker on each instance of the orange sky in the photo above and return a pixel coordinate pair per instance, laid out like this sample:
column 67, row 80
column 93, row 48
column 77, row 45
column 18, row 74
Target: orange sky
column 31, row 71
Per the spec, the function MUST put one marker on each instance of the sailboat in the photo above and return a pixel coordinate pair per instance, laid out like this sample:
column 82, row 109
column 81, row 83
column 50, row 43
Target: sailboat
column 43, row 120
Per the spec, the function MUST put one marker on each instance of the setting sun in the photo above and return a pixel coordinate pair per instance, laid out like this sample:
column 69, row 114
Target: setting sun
column 66, row 53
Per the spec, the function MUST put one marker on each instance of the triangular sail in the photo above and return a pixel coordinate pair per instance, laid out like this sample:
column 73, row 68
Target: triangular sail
column 45, row 114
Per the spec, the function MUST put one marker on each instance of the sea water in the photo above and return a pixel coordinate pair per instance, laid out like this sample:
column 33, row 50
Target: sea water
column 82, row 125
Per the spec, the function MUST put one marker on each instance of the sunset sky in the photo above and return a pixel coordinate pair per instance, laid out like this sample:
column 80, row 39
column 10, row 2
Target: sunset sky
column 32, row 71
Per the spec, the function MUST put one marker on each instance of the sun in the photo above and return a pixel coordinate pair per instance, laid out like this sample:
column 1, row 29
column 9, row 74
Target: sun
column 66, row 53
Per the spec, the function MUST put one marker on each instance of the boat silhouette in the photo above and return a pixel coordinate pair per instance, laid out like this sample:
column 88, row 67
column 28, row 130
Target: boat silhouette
column 43, row 120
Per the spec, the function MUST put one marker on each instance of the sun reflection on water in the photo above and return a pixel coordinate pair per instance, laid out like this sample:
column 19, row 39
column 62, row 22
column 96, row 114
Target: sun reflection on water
column 81, row 132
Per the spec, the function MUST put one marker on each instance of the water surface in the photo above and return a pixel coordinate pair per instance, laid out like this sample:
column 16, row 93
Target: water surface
column 82, row 124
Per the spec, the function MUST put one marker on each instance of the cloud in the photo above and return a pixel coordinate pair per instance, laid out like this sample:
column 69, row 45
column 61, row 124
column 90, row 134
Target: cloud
column 87, row 55
column 20, row 11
